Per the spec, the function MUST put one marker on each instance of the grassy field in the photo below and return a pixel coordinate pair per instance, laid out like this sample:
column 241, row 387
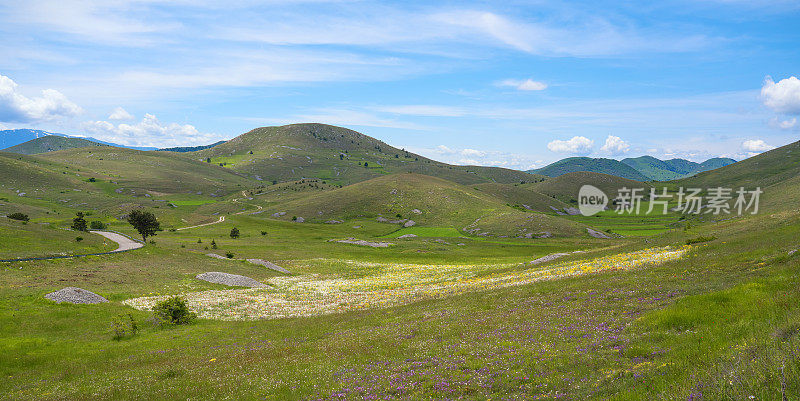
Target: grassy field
column 460, row 311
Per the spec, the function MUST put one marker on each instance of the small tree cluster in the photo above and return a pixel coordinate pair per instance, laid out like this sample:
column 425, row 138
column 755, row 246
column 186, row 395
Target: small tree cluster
column 145, row 223
column 172, row 311
column 79, row 223
column 18, row 216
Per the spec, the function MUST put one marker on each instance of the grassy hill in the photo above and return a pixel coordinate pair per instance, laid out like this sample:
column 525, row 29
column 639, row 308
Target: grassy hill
column 428, row 201
column 337, row 155
column 599, row 165
column 665, row 170
column 50, row 143
column 521, row 195
column 150, row 172
column 763, row 170
column 565, row 187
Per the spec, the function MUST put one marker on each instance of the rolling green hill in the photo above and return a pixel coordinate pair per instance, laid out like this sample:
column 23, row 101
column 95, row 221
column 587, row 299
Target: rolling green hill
column 599, row 165
column 428, row 201
column 565, row 187
column 769, row 168
column 521, row 195
column 337, row 155
column 50, row 143
column 149, row 172
column 665, row 170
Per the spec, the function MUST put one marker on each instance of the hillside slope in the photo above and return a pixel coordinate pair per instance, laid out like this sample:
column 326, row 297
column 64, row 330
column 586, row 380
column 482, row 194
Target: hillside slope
column 768, row 168
column 428, row 201
column 598, row 165
column 148, row 171
column 335, row 154
column 50, row 143
column 566, row 187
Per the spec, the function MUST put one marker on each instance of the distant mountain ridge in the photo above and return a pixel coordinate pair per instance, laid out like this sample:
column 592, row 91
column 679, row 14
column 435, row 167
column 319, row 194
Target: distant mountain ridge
column 50, row 143
column 643, row 168
column 673, row 169
column 13, row 137
column 594, row 165
column 183, row 149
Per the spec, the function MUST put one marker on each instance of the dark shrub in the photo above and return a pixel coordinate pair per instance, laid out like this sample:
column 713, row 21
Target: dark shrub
column 18, row 216
column 229, row 255
column 234, row 233
column 97, row 225
column 172, row 311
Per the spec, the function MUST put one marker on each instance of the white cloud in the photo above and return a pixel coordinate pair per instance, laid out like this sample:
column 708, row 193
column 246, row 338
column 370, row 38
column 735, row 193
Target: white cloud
column 149, row 132
column 579, row 145
column 782, row 96
column 615, row 145
column 756, row 145
column 120, row 114
column 783, row 124
column 16, row 107
column 473, row 153
column 526, row 85
column 444, row 150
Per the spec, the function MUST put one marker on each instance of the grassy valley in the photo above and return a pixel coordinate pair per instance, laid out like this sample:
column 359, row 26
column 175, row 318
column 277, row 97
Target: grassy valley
column 494, row 291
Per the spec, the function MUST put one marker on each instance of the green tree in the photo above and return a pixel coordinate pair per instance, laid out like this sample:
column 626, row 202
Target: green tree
column 144, row 222
column 79, row 223
column 234, row 233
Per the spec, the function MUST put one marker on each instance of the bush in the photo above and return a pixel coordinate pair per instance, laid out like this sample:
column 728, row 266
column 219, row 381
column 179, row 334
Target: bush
column 229, row 255
column 18, row 216
column 213, row 244
column 698, row 240
column 78, row 239
column 79, row 223
column 172, row 311
column 123, row 326
column 234, row 233
column 263, row 233
column 97, row 225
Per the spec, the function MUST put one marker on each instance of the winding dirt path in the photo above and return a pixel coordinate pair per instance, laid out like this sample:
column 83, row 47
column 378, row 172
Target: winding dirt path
column 123, row 244
column 222, row 218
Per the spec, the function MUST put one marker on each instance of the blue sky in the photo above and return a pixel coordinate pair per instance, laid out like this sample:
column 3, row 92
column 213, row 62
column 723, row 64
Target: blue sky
column 514, row 84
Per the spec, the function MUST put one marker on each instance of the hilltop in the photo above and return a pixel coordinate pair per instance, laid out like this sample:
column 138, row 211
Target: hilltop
column 50, row 143
column 595, row 165
column 335, row 154
column 666, row 170
column 565, row 187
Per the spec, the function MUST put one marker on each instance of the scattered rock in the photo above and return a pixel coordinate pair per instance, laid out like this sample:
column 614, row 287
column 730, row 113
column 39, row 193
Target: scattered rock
column 416, row 211
column 300, row 220
column 409, row 223
column 407, row 236
column 214, row 255
column 792, row 252
column 74, row 295
column 356, row 226
column 597, row 234
column 572, row 211
column 233, row 280
column 361, row 242
column 547, row 258
column 268, row 265
column 279, row 214
column 333, row 222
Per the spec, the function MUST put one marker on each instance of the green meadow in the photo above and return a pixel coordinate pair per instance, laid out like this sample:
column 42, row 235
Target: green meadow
column 458, row 311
